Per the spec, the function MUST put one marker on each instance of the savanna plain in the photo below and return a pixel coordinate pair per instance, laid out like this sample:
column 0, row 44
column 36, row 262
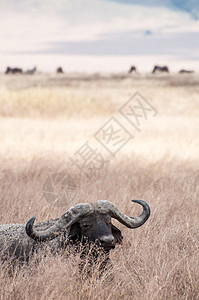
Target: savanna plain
column 45, row 120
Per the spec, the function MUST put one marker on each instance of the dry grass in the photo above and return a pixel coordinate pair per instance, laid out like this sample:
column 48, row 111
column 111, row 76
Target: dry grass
column 160, row 260
column 49, row 102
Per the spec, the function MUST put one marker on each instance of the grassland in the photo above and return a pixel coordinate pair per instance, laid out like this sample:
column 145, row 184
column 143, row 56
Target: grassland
column 44, row 120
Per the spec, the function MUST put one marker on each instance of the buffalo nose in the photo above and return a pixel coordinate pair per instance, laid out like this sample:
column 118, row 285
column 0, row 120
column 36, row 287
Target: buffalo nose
column 107, row 240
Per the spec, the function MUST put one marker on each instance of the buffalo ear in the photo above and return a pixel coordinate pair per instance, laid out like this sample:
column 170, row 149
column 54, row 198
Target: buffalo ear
column 117, row 234
column 75, row 233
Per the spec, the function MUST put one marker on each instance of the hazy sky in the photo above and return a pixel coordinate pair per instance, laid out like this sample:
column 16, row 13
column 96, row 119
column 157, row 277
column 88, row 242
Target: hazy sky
column 94, row 35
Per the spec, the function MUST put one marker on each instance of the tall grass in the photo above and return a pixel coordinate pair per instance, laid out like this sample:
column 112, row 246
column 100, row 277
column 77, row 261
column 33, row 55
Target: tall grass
column 159, row 260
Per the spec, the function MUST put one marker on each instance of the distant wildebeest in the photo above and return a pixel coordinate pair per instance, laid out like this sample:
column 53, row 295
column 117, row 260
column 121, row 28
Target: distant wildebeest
column 186, row 71
column 85, row 224
column 59, row 70
column 160, row 69
column 31, row 71
column 132, row 69
column 13, row 71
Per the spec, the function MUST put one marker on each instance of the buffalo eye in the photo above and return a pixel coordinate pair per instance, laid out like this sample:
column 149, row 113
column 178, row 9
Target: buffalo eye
column 85, row 226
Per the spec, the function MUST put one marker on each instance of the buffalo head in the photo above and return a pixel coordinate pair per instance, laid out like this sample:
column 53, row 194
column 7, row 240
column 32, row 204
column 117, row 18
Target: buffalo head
column 96, row 228
column 90, row 222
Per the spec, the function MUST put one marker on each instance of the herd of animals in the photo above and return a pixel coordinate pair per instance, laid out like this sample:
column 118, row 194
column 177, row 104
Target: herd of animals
column 32, row 71
column 160, row 69
column 59, row 70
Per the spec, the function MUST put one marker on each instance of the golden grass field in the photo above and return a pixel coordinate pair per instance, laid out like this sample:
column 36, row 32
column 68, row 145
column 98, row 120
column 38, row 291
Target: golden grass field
column 44, row 120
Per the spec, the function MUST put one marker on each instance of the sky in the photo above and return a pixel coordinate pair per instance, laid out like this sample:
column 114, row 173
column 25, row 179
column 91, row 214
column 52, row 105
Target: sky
column 99, row 35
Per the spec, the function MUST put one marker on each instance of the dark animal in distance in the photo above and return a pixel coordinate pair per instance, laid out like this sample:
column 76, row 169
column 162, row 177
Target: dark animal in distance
column 31, row 71
column 59, row 70
column 186, row 71
column 160, row 69
column 132, row 69
column 82, row 224
column 13, row 71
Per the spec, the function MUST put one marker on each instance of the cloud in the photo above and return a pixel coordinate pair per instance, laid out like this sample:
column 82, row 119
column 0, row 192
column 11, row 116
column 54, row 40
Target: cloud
column 190, row 6
column 127, row 43
column 31, row 25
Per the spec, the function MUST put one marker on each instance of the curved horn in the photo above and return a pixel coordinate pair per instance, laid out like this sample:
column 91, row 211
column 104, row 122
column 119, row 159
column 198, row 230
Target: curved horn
column 41, row 236
column 71, row 216
column 129, row 222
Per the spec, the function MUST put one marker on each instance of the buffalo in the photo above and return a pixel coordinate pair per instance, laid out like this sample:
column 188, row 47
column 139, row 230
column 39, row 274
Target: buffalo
column 31, row 71
column 186, row 71
column 13, row 71
column 59, row 70
column 160, row 69
column 132, row 69
column 82, row 224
